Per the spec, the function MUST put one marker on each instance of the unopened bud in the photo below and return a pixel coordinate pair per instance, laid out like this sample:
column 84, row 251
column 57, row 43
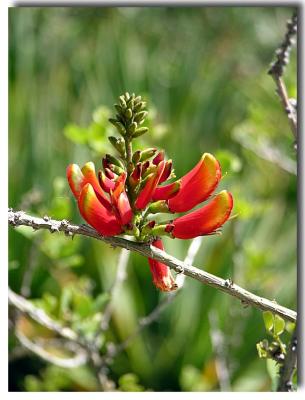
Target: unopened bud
column 140, row 116
column 118, row 144
column 132, row 127
column 147, row 153
column 113, row 160
column 140, row 132
column 128, row 113
column 158, row 207
column 120, row 127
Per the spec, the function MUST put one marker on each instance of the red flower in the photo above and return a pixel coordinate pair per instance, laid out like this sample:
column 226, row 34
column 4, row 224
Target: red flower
column 162, row 277
column 197, row 184
column 106, row 202
column 205, row 220
column 107, row 213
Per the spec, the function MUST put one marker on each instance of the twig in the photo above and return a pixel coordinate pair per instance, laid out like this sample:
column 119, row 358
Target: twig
column 289, row 366
column 37, row 314
column 119, row 278
column 219, row 351
column 227, row 286
column 277, row 69
column 40, row 316
column 79, row 359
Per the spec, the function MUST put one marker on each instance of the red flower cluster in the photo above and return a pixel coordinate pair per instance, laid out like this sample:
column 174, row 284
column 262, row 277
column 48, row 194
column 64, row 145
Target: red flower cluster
column 114, row 202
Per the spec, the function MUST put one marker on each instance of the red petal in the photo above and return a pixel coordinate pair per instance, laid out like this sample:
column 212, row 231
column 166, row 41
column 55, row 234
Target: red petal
column 146, row 193
column 96, row 214
column 162, row 277
column 166, row 192
column 159, row 157
column 124, row 208
column 167, row 171
column 197, row 185
column 106, row 183
column 120, row 200
column 205, row 220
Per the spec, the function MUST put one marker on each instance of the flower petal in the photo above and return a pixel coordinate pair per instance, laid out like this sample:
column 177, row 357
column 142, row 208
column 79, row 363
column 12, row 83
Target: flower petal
column 167, row 171
column 205, row 220
column 105, row 183
column 96, row 214
column 120, row 200
column 88, row 171
column 197, row 184
column 146, row 193
column 166, row 192
column 162, row 277
column 75, row 178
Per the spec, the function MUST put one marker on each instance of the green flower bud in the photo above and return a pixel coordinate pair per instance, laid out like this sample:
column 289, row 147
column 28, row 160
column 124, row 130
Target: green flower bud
column 132, row 127
column 128, row 113
column 118, row 144
column 140, row 132
column 139, row 106
column 120, row 127
column 140, row 116
column 147, row 153
column 158, row 207
column 115, row 161
column 122, row 102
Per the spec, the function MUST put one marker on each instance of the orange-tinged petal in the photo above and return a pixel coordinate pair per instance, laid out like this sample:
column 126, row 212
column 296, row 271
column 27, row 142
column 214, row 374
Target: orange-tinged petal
column 146, row 193
column 88, row 171
column 162, row 277
column 166, row 192
column 197, row 184
column 75, row 178
column 205, row 220
column 98, row 216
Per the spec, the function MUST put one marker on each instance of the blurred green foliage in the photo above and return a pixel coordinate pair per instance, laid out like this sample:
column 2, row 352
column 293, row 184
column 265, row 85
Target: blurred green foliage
column 203, row 73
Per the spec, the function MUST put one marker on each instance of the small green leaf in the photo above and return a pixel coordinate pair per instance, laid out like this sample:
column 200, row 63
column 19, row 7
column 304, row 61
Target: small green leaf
column 268, row 320
column 279, row 325
column 290, row 326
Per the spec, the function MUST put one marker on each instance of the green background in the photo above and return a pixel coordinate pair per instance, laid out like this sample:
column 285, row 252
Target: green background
column 203, row 72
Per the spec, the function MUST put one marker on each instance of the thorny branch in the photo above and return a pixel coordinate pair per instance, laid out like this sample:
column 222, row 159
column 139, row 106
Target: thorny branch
column 145, row 249
column 289, row 366
column 290, row 106
column 277, row 69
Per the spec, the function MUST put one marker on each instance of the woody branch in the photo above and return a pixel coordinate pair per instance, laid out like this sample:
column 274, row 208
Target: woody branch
column 18, row 218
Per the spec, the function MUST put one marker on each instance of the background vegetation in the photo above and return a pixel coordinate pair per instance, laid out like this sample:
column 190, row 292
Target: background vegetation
column 203, row 72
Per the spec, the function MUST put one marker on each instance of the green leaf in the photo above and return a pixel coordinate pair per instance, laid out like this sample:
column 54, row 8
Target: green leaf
column 290, row 326
column 279, row 325
column 268, row 320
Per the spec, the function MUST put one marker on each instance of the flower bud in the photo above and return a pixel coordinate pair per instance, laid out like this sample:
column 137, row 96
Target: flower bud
column 147, row 153
column 118, row 144
column 140, row 116
column 158, row 207
column 132, row 127
column 140, row 131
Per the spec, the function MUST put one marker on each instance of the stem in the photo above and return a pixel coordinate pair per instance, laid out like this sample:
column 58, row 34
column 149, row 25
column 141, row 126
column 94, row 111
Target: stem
column 227, row 286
